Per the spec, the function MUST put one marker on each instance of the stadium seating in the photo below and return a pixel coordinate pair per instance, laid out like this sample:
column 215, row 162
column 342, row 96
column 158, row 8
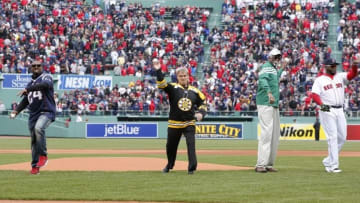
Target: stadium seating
column 120, row 40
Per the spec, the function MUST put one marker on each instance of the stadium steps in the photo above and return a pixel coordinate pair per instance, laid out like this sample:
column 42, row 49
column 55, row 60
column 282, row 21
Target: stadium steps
column 213, row 21
column 332, row 36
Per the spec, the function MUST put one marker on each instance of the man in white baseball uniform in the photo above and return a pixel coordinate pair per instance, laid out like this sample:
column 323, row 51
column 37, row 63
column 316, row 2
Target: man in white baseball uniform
column 328, row 92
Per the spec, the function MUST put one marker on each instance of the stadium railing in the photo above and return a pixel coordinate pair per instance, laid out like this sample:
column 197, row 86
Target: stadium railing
column 165, row 113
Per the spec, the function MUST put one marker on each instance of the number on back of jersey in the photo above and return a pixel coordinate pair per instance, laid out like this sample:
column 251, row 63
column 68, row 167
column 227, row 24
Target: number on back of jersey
column 33, row 95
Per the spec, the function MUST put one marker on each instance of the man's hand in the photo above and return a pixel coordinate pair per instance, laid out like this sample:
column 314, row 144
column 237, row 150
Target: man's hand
column 156, row 64
column 357, row 61
column 325, row 108
column 198, row 116
column 285, row 62
column 13, row 114
column 271, row 98
column 22, row 93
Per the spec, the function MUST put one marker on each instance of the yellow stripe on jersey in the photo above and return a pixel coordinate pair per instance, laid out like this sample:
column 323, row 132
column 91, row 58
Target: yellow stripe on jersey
column 203, row 107
column 161, row 84
column 201, row 95
column 180, row 124
column 177, row 85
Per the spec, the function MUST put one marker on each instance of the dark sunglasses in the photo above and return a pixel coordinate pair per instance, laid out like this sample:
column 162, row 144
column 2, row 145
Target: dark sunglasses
column 36, row 66
column 332, row 65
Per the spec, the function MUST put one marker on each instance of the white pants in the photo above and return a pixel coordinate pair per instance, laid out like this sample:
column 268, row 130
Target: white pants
column 269, row 120
column 334, row 124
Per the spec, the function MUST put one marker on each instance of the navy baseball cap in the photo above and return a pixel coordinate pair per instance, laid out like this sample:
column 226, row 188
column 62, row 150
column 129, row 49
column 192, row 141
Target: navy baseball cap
column 330, row 61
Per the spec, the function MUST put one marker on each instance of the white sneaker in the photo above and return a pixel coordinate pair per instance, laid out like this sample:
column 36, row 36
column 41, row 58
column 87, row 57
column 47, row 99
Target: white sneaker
column 330, row 170
column 336, row 170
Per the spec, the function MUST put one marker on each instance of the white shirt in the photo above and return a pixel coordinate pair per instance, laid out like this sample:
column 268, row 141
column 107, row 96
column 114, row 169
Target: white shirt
column 331, row 91
column 340, row 37
column 78, row 118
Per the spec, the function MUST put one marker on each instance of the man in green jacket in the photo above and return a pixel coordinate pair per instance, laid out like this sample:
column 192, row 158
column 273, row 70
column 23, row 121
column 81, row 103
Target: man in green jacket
column 267, row 101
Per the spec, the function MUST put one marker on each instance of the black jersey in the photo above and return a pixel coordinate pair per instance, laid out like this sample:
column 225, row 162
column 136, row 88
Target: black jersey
column 184, row 102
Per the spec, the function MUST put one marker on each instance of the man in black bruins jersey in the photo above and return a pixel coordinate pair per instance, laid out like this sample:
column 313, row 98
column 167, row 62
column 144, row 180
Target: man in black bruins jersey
column 187, row 105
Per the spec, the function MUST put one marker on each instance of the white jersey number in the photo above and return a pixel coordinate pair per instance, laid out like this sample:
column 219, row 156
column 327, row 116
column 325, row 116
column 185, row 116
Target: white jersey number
column 34, row 94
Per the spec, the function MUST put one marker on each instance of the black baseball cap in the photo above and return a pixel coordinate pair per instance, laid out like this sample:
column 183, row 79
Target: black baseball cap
column 330, row 62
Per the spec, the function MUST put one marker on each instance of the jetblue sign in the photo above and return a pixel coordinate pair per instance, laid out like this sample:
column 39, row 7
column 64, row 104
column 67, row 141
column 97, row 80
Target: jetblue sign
column 121, row 130
column 67, row 82
column 15, row 81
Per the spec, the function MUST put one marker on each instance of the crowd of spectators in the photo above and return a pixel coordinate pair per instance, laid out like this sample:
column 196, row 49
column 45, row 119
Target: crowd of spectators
column 348, row 33
column 71, row 37
column 138, row 98
column 242, row 43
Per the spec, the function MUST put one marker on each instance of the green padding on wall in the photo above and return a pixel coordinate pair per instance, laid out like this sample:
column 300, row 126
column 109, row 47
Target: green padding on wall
column 18, row 126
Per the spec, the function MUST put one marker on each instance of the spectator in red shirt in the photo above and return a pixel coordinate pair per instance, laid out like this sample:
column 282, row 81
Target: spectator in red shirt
column 92, row 108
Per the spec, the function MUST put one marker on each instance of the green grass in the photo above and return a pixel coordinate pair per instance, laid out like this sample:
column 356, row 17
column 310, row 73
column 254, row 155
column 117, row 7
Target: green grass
column 300, row 178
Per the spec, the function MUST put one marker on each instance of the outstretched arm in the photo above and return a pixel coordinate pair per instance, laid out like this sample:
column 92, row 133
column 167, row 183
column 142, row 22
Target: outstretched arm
column 354, row 69
column 157, row 67
column 23, row 104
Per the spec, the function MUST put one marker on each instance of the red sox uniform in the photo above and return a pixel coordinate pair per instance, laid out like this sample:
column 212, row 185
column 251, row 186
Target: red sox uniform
column 329, row 90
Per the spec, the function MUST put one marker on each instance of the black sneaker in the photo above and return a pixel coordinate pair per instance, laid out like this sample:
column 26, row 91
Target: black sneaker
column 166, row 170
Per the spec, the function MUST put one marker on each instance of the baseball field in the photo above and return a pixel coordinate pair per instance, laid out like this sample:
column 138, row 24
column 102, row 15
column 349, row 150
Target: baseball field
column 129, row 170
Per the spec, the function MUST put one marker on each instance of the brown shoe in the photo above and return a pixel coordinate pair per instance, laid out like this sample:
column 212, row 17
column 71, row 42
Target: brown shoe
column 260, row 170
column 271, row 170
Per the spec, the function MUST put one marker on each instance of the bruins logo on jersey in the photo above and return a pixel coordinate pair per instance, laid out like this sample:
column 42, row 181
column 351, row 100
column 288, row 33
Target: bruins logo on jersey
column 184, row 104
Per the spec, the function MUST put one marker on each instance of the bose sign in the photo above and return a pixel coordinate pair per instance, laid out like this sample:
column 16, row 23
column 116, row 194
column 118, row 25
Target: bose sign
column 121, row 130
column 15, row 81
column 67, row 82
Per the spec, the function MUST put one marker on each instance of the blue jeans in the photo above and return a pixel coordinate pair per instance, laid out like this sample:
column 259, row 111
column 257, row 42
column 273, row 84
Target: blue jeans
column 340, row 45
column 38, row 139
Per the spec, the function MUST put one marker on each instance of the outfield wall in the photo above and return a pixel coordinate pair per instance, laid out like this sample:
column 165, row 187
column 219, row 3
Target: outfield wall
column 292, row 128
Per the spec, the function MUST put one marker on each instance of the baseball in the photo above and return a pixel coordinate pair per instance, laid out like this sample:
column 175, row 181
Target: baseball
column 12, row 115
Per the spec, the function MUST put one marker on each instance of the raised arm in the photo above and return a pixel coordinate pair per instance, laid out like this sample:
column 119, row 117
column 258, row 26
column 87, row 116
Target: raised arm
column 354, row 69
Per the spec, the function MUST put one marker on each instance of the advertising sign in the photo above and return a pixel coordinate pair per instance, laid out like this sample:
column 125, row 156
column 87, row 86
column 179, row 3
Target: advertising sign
column 223, row 131
column 353, row 132
column 68, row 82
column 294, row 131
column 121, row 130
column 15, row 81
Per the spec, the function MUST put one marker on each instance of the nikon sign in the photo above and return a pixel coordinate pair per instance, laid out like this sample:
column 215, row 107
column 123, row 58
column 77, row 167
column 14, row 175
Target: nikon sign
column 294, row 131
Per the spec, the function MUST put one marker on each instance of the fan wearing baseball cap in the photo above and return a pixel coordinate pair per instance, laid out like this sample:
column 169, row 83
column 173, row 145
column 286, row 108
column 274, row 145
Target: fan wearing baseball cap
column 328, row 92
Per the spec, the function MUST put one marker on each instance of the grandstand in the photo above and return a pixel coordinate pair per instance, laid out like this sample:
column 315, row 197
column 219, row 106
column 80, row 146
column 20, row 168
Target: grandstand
column 220, row 42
